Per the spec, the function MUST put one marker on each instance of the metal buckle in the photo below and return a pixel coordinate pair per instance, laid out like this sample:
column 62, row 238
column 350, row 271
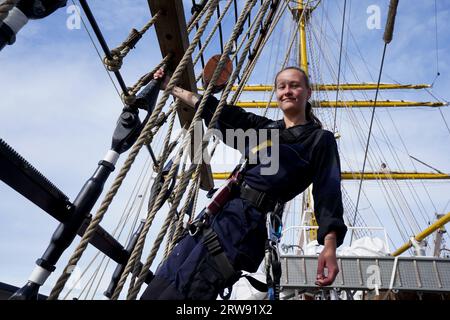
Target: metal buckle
column 196, row 226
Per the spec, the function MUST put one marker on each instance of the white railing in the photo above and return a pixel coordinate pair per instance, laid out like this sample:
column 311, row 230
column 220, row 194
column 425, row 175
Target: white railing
column 305, row 229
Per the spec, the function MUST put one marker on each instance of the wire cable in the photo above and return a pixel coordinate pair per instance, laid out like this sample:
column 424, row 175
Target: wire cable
column 368, row 136
column 339, row 65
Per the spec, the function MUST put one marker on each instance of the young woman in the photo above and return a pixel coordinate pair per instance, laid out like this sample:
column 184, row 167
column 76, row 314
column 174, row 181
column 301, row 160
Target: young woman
column 201, row 266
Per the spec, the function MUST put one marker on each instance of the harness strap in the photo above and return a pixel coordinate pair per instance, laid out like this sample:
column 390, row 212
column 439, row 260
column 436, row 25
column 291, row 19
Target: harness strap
column 259, row 199
column 211, row 241
column 258, row 285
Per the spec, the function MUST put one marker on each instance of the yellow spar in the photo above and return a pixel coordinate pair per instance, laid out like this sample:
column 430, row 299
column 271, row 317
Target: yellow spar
column 425, row 233
column 333, row 87
column 371, row 176
column 346, row 104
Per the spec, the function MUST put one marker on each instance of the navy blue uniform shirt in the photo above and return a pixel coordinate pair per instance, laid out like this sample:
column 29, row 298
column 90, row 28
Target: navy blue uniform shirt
column 307, row 154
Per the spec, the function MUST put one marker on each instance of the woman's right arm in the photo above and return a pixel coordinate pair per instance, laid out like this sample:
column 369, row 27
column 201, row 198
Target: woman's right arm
column 189, row 98
column 232, row 117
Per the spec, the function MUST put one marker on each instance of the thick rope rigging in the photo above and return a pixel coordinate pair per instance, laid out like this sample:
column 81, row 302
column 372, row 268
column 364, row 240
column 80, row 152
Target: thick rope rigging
column 211, row 34
column 252, row 62
column 206, row 8
column 224, row 96
column 114, row 63
column 153, row 207
column 194, row 5
column 144, row 138
column 184, row 180
column 174, row 79
column 180, row 223
column 174, row 222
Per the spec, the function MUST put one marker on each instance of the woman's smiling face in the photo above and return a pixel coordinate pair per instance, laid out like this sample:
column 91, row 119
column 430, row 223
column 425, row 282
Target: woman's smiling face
column 292, row 91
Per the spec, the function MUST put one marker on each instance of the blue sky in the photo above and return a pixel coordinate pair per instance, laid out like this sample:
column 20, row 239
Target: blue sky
column 59, row 109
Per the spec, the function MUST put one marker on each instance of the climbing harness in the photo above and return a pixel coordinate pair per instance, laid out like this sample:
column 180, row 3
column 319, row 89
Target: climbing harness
column 218, row 200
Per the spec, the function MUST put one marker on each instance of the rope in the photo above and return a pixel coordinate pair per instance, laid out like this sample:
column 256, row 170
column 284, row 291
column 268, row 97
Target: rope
column 145, row 137
column 200, row 46
column 174, row 79
column 152, row 212
column 118, row 54
column 5, row 7
column 185, row 178
column 211, row 34
column 179, row 227
column 123, row 220
column 235, row 20
column 193, row 23
column 167, row 149
column 172, row 227
column 339, row 66
column 137, row 250
column 180, row 223
column 183, row 184
column 249, row 68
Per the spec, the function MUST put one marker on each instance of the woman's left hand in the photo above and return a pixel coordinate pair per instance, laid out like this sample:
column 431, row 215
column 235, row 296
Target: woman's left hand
column 327, row 259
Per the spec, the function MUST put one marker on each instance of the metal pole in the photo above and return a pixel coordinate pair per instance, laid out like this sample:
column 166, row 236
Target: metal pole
column 103, row 43
column 425, row 233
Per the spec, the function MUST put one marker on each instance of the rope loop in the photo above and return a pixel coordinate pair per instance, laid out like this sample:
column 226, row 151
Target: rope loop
column 118, row 54
column 128, row 99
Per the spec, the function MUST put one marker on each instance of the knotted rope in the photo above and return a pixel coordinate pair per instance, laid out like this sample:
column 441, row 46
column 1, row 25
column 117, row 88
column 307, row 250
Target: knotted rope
column 184, row 180
column 144, row 138
column 174, row 79
column 118, row 54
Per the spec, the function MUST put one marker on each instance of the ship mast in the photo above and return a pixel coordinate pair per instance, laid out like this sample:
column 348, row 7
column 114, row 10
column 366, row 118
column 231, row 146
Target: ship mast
column 307, row 214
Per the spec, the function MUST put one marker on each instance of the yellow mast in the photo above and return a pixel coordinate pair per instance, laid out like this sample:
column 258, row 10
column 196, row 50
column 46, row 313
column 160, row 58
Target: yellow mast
column 303, row 58
column 308, row 201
